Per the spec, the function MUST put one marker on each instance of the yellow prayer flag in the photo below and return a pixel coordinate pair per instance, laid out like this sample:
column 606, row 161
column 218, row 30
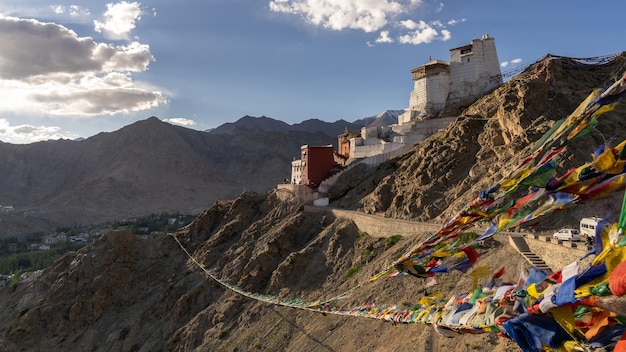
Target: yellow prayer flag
column 479, row 272
column 605, row 161
column 504, row 222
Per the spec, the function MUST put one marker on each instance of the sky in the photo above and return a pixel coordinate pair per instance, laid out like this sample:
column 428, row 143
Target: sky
column 72, row 69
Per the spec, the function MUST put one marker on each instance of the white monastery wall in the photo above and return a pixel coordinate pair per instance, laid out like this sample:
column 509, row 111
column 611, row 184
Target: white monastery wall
column 402, row 136
column 405, row 117
column 417, row 99
column 375, row 148
column 369, row 132
column 437, row 91
column 429, row 93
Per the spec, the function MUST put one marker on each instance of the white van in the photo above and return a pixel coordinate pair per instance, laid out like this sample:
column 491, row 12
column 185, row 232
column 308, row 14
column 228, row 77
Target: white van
column 567, row 235
column 588, row 227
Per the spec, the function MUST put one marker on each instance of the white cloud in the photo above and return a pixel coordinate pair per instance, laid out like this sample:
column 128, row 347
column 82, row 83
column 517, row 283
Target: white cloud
column 133, row 57
column 46, row 68
column 119, row 20
column 58, row 9
column 33, row 9
column 421, row 32
column 445, row 35
column 369, row 16
column 30, row 48
column 383, row 37
column 438, row 24
column 92, row 95
column 410, row 24
column 181, row 121
column 23, row 134
column 453, row 22
column 72, row 10
column 78, row 11
column 426, row 35
column 512, row 62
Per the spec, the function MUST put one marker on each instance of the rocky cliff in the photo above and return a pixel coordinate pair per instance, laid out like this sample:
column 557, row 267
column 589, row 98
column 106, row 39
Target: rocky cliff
column 125, row 293
column 491, row 137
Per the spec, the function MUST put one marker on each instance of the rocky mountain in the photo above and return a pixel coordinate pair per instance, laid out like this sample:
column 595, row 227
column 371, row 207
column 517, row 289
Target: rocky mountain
column 385, row 118
column 127, row 293
column 147, row 167
column 332, row 129
column 252, row 122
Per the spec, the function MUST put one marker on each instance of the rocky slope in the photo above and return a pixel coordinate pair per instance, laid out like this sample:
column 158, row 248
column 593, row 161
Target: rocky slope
column 126, row 293
column 444, row 172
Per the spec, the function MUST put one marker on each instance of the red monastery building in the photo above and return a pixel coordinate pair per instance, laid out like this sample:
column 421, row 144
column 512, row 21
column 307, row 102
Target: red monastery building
column 315, row 165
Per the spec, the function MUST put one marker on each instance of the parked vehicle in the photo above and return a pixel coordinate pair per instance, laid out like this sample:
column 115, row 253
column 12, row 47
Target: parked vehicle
column 567, row 235
column 588, row 227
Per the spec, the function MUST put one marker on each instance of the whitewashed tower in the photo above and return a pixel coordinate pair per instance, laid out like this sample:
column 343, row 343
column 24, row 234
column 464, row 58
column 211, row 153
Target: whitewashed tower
column 474, row 70
column 431, row 85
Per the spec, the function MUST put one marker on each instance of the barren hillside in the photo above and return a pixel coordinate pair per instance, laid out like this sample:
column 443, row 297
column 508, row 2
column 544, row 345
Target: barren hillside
column 132, row 294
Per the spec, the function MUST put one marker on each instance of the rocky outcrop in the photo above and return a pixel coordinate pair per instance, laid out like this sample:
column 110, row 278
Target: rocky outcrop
column 440, row 175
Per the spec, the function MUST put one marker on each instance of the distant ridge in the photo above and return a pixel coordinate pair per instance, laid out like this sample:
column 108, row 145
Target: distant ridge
column 385, row 118
column 332, row 129
column 252, row 122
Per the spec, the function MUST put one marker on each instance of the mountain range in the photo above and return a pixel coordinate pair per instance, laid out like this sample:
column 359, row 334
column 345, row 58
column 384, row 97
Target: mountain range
column 151, row 166
column 264, row 123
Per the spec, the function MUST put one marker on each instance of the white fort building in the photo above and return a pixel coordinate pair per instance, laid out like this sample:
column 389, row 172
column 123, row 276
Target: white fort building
column 472, row 71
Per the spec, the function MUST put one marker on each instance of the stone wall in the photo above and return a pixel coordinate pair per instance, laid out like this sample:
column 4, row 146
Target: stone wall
column 557, row 254
column 378, row 226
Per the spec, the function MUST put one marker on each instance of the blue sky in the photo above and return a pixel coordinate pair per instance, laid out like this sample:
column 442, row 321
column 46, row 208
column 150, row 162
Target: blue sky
column 70, row 69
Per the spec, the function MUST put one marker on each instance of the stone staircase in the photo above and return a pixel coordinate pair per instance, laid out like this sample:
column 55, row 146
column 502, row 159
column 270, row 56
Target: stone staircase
column 519, row 243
